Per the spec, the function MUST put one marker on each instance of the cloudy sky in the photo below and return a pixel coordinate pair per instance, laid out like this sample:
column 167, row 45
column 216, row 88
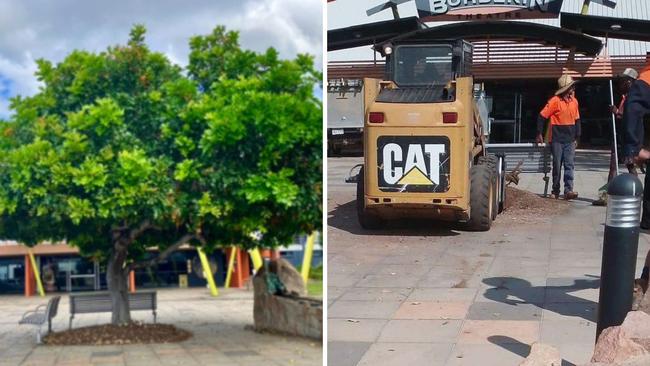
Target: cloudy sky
column 346, row 13
column 32, row 29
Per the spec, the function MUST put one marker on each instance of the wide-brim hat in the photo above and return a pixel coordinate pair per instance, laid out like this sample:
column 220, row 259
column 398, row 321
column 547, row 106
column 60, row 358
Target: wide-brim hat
column 564, row 83
column 630, row 73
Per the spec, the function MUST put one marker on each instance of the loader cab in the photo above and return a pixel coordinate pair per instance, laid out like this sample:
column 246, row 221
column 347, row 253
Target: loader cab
column 430, row 67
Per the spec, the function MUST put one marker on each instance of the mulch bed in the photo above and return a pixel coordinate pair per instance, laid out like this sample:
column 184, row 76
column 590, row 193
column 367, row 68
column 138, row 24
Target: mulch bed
column 529, row 207
column 108, row 334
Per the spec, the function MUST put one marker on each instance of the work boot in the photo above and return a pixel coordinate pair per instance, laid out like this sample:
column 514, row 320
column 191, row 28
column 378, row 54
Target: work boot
column 570, row 195
column 555, row 196
column 602, row 199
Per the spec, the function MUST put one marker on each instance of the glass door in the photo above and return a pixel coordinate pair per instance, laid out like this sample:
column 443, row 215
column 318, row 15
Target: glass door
column 506, row 112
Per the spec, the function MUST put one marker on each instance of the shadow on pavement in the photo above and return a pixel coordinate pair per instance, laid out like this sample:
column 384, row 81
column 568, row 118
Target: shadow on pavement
column 563, row 303
column 517, row 347
column 344, row 217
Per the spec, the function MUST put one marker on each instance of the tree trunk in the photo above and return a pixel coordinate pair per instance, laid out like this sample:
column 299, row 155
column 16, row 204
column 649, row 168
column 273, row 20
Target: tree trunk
column 116, row 278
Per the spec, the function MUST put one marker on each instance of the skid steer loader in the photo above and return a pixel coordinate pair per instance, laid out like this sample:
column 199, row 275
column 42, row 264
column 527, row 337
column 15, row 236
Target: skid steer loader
column 424, row 140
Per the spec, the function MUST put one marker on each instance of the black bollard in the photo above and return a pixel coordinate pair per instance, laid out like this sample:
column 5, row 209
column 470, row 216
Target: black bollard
column 620, row 245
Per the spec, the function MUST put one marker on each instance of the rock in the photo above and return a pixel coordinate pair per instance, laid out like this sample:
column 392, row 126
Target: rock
column 286, row 314
column 615, row 346
column 644, row 304
column 637, row 325
column 289, row 276
column 636, row 361
column 542, row 355
column 637, row 297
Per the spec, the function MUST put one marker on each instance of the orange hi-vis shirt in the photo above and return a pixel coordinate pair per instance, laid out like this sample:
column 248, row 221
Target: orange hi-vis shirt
column 561, row 111
column 564, row 114
column 645, row 74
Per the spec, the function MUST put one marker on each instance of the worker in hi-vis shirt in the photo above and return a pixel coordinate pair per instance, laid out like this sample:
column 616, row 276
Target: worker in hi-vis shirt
column 562, row 110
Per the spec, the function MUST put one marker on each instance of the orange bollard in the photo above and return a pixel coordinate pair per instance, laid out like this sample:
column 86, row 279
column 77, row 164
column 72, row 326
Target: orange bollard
column 242, row 269
column 30, row 281
column 132, row 282
column 245, row 266
column 237, row 279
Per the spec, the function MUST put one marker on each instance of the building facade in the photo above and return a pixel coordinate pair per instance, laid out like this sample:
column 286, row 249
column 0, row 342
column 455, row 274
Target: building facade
column 520, row 76
column 62, row 269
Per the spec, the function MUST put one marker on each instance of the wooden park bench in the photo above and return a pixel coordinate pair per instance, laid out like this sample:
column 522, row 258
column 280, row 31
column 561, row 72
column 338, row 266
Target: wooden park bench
column 526, row 158
column 100, row 302
column 40, row 316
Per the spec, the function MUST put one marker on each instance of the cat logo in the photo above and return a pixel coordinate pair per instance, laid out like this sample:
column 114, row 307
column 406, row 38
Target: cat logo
column 413, row 163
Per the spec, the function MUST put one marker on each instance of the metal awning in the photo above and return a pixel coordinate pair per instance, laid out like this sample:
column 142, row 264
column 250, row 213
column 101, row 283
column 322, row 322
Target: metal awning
column 621, row 28
column 369, row 34
column 505, row 30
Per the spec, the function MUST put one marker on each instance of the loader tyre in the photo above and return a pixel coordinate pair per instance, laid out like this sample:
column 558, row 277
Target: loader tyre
column 367, row 220
column 502, row 186
column 491, row 162
column 481, row 197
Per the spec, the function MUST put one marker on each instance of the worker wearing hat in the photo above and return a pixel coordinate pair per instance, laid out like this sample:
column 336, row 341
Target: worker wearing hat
column 637, row 107
column 562, row 110
column 625, row 81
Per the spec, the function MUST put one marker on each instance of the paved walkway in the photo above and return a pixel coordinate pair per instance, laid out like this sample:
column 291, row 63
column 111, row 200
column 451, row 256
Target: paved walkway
column 221, row 328
column 435, row 296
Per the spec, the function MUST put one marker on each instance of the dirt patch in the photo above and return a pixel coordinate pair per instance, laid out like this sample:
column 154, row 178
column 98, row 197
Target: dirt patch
column 460, row 284
column 528, row 207
column 132, row 333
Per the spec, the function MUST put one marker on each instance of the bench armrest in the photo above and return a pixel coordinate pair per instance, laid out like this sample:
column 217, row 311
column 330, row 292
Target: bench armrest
column 35, row 311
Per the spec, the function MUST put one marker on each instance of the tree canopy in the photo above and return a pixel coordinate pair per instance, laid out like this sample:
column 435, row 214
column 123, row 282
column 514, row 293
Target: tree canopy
column 122, row 149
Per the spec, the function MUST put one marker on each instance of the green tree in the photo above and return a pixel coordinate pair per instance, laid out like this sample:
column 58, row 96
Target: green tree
column 120, row 151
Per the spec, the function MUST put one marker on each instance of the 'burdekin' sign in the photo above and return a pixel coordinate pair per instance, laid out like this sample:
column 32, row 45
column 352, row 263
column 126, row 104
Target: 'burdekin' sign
column 432, row 10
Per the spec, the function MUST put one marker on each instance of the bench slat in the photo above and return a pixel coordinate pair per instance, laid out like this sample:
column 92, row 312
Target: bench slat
column 101, row 302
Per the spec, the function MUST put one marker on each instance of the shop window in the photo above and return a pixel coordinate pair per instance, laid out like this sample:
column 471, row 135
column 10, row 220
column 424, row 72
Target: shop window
column 12, row 275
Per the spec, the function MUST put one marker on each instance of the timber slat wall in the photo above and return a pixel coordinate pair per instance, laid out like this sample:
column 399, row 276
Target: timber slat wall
column 504, row 60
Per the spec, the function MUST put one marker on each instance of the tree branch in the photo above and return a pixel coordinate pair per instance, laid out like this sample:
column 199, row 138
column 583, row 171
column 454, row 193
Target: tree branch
column 164, row 254
column 144, row 226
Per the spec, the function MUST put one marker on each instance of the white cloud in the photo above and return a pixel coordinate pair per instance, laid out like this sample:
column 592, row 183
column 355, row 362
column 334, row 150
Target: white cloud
column 32, row 29
column 19, row 80
column 295, row 24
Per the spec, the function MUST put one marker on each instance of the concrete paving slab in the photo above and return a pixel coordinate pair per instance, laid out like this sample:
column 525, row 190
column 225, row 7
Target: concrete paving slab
column 488, row 354
column 354, row 330
column 570, row 310
column 432, row 310
column 219, row 324
column 511, row 331
column 379, row 294
column 544, row 273
column 395, row 280
column 442, row 294
column 589, row 295
column 567, row 331
column 502, row 311
column 450, row 277
column 412, row 354
column 420, row 331
column 502, row 295
column 345, row 353
column 363, row 309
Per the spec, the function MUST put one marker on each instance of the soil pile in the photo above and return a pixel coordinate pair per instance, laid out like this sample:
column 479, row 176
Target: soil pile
column 131, row 333
column 529, row 207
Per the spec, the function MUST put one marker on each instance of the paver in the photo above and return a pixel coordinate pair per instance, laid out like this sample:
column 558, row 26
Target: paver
column 415, row 354
column 420, row 331
column 504, row 289
column 220, row 326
